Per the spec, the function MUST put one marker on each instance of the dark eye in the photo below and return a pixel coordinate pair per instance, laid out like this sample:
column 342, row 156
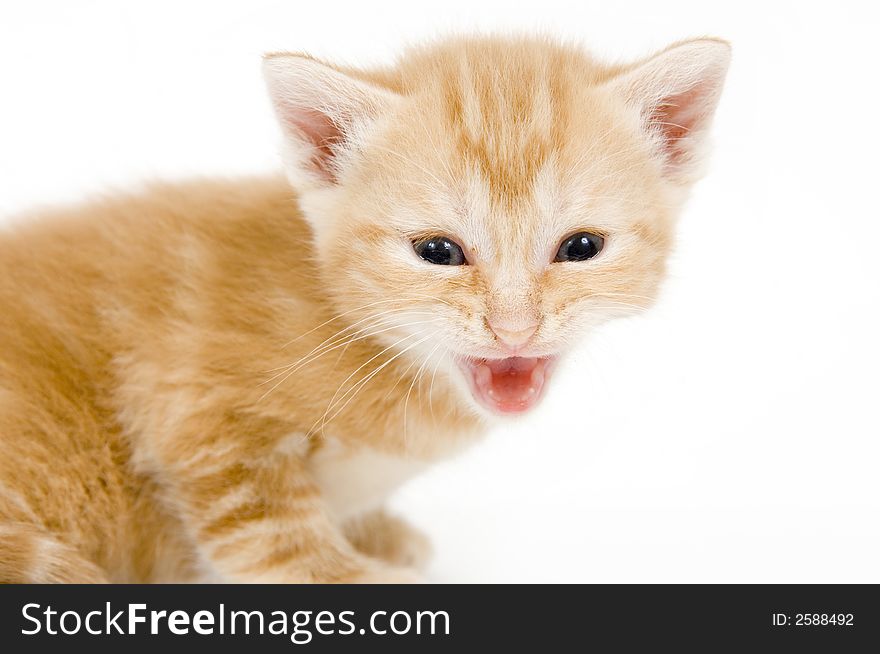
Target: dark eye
column 440, row 250
column 580, row 247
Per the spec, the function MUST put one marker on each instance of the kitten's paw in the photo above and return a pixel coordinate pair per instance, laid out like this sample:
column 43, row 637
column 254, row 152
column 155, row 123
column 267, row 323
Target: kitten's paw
column 390, row 539
column 407, row 546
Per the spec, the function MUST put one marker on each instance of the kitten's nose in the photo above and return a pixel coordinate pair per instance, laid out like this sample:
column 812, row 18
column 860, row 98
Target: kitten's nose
column 513, row 334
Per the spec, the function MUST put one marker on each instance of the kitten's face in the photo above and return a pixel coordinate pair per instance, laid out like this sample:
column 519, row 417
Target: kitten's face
column 497, row 202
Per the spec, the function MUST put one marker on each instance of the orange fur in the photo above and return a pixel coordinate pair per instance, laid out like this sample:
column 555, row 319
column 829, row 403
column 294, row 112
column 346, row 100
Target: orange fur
column 223, row 380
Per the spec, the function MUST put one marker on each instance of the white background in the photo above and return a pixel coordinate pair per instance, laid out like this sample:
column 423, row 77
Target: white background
column 730, row 435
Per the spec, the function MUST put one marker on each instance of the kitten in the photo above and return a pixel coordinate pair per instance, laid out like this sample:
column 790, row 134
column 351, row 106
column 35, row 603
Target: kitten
column 224, row 381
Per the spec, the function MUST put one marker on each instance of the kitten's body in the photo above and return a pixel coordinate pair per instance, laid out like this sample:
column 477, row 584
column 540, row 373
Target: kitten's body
column 186, row 377
column 128, row 315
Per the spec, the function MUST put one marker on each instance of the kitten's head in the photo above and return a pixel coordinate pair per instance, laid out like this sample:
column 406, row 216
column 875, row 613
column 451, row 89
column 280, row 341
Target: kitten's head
column 483, row 204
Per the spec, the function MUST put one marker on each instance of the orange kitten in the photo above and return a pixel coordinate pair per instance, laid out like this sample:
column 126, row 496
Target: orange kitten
column 225, row 380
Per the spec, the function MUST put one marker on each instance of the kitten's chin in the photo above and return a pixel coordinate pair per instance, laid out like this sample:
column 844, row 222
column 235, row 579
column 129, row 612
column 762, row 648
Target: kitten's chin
column 508, row 386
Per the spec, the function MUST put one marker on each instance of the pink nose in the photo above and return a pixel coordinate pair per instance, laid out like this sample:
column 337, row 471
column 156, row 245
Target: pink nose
column 511, row 334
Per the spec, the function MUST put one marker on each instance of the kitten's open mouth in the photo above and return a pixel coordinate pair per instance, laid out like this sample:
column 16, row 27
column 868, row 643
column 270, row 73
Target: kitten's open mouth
column 511, row 385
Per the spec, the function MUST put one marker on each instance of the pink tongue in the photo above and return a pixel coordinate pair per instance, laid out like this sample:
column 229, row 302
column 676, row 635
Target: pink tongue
column 512, row 384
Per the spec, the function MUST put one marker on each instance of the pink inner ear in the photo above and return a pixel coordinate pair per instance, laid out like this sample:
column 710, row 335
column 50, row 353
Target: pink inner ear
column 676, row 117
column 318, row 130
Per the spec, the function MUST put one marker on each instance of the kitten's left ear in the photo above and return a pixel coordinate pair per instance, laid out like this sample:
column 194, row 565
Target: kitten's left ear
column 324, row 114
column 675, row 93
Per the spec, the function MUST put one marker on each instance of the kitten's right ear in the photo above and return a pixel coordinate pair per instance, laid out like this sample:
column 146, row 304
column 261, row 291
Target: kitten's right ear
column 323, row 114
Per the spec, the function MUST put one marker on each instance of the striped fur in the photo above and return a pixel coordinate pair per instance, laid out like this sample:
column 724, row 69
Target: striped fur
column 222, row 380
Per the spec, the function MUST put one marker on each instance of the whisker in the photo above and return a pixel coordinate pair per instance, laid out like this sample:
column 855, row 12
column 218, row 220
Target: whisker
column 295, row 367
column 431, row 389
column 408, row 391
column 360, row 308
column 366, row 363
column 337, row 317
column 337, row 339
column 363, row 382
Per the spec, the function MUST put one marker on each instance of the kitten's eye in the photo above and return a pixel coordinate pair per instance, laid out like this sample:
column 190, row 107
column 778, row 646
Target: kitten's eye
column 580, row 247
column 441, row 251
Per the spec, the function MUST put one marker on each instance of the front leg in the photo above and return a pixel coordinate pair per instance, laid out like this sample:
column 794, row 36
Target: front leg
column 254, row 513
column 390, row 539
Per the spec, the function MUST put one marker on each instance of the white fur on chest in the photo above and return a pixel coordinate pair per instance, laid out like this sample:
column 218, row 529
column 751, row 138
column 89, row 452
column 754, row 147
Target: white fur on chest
column 354, row 481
